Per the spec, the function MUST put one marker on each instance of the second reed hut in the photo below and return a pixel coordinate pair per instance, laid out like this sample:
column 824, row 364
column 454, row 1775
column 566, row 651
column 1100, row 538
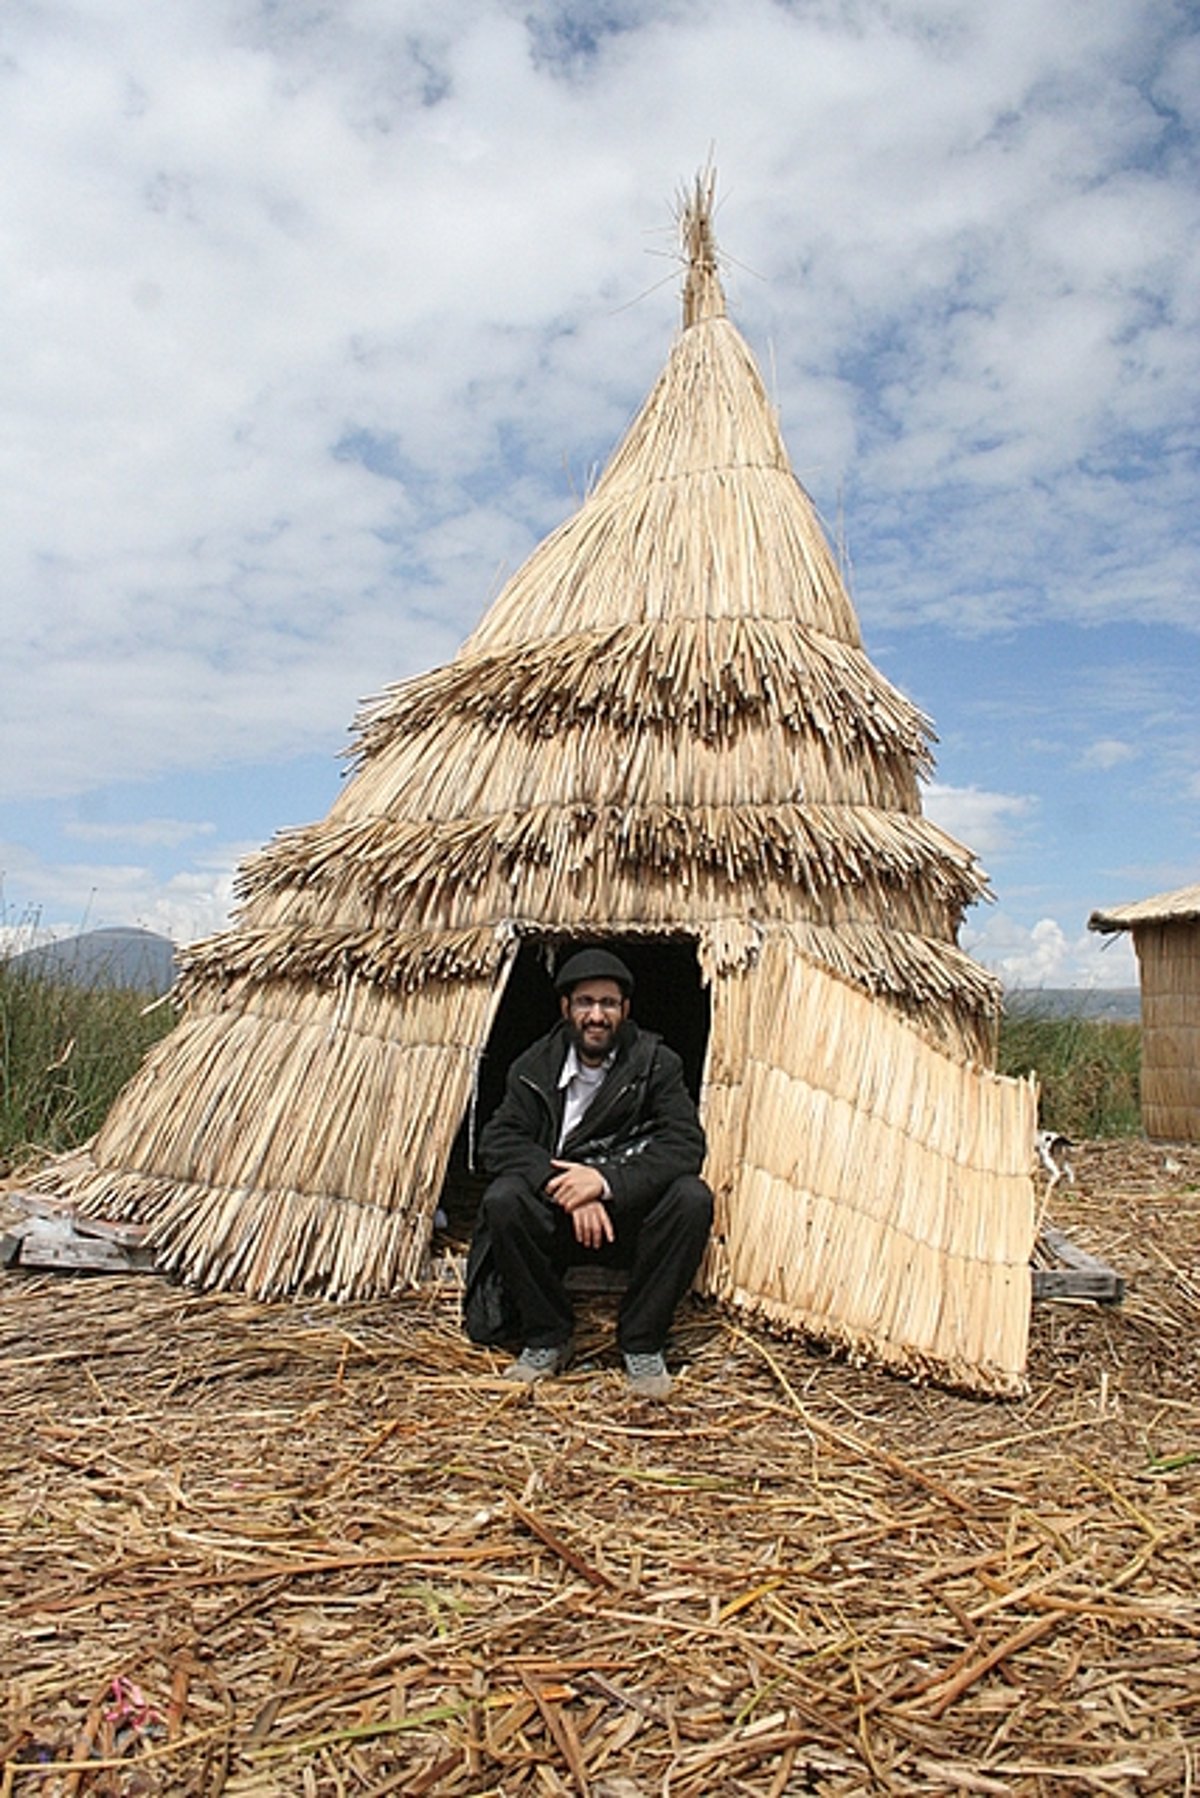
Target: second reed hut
column 1166, row 939
column 665, row 735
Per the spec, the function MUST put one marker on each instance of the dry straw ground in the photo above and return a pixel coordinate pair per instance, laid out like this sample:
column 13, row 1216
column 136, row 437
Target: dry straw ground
column 266, row 1550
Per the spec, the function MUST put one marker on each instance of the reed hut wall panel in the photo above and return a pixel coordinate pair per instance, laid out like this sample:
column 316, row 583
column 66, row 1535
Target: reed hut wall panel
column 1169, row 969
column 288, row 1154
column 1166, row 938
column 870, row 1190
column 666, row 726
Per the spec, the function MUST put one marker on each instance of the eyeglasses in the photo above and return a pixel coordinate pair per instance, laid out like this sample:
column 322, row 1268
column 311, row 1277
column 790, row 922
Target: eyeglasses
column 610, row 1007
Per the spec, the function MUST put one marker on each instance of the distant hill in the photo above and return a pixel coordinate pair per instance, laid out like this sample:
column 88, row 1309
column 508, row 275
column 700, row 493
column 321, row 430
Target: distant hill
column 1117, row 1004
column 139, row 960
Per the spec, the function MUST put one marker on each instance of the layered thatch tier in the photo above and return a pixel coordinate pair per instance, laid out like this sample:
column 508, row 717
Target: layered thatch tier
column 775, row 671
column 542, row 861
column 665, row 727
column 279, row 971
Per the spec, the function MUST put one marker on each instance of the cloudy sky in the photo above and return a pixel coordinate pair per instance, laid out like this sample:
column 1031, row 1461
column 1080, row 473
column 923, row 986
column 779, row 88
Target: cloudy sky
column 316, row 317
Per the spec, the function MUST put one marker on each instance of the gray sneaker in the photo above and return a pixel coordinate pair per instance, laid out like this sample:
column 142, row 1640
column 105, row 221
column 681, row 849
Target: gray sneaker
column 539, row 1363
column 647, row 1376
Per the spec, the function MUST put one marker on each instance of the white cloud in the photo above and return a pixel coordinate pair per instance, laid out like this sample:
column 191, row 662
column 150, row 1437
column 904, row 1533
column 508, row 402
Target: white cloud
column 1045, row 955
column 1107, row 752
column 986, row 823
column 191, row 902
column 255, row 243
column 323, row 314
column 168, row 833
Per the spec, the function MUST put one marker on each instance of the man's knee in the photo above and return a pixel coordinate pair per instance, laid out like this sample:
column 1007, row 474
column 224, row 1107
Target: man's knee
column 504, row 1200
column 691, row 1200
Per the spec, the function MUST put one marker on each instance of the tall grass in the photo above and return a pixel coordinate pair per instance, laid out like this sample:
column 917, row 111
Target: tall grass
column 1088, row 1069
column 65, row 1053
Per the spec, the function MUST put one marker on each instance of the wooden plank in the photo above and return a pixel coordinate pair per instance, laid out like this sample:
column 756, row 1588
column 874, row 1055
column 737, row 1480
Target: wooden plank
column 1078, row 1275
column 54, row 1242
column 10, row 1248
column 1105, row 1286
column 128, row 1235
column 598, row 1279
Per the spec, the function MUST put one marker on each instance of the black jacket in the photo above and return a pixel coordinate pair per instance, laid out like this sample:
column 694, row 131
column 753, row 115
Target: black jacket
column 641, row 1129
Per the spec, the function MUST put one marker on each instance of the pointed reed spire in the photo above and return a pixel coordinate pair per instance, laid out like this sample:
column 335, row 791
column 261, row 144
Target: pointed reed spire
column 703, row 295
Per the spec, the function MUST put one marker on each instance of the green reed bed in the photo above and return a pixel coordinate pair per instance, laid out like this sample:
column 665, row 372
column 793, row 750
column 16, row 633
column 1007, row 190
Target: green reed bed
column 1087, row 1068
column 65, row 1053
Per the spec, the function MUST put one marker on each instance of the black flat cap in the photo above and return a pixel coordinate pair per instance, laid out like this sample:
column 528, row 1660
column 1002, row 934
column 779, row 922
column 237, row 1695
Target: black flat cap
column 593, row 964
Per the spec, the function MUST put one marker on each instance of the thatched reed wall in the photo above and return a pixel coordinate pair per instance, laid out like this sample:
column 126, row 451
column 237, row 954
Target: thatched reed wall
column 1166, row 938
column 294, row 1138
column 666, row 727
column 869, row 1188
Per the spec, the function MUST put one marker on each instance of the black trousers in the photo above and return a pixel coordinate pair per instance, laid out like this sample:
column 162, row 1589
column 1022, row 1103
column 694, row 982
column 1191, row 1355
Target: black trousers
column 533, row 1243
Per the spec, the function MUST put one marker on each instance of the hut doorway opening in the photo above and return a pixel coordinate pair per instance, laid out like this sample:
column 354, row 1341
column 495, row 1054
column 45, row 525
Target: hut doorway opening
column 669, row 998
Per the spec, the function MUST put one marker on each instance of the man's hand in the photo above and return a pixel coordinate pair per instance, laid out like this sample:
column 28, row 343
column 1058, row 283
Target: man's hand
column 575, row 1185
column 592, row 1225
column 580, row 1191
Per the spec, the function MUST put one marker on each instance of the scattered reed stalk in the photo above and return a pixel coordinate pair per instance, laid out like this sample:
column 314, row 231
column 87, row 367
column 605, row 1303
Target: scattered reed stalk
column 338, row 1555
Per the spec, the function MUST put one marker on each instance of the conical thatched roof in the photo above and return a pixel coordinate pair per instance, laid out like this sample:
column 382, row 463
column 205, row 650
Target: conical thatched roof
column 665, row 725
column 666, row 717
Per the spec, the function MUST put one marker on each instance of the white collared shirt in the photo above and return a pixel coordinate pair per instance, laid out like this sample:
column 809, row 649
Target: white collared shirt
column 581, row 1084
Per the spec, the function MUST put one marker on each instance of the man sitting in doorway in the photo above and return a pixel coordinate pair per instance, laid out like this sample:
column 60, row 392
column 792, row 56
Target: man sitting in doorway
column 595, row 1149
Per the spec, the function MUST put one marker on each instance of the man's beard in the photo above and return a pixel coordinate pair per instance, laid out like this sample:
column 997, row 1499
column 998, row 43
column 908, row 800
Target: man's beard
column 593, row 1053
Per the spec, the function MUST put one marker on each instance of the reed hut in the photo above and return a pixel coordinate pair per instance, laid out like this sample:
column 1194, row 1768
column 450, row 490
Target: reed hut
column 665, row 735
column 1166, row 940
